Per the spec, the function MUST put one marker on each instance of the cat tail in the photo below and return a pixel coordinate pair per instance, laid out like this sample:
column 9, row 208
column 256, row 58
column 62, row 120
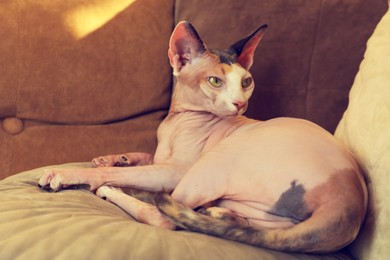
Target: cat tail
column 298, row 238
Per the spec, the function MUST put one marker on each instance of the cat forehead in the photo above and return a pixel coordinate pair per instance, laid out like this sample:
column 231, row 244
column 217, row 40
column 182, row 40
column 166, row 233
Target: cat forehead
column 224, row 56
column 229, row 71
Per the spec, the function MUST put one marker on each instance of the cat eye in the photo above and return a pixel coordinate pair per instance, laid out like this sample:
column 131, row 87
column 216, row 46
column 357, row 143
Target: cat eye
column 246, row 82
column 215, row 82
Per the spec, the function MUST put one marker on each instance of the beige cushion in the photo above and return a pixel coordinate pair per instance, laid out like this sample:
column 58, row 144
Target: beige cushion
column 76, row 224
column 365, row 128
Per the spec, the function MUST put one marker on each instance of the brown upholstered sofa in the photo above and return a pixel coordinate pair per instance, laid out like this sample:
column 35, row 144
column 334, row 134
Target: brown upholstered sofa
column 85, row 78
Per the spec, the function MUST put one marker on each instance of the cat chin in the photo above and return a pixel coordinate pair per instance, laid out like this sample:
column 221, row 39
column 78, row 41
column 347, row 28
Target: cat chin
column 225, row 112
column 229, row 114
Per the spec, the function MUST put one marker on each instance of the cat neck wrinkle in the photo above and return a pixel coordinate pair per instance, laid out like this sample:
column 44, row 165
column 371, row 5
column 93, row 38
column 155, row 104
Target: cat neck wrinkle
column 209, row 124
column 200, row 116
column 182, row 108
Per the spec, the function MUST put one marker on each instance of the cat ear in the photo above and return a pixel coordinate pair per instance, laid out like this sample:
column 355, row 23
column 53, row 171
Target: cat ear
column 245, row 48
column 184, row 45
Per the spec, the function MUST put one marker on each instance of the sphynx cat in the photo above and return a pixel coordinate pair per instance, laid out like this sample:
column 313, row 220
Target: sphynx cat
column 283, row 184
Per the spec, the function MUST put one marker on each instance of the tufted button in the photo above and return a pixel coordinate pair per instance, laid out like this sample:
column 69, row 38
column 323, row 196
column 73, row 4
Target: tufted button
column 13, row 125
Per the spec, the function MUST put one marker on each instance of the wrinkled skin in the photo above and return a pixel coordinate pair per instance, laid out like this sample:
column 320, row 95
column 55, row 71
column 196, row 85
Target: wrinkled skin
column 268, row 174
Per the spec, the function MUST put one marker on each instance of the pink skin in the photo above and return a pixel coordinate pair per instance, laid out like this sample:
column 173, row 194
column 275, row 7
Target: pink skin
column 208, row 151
column 143, row 212
column 212, row 169
column 130, row 159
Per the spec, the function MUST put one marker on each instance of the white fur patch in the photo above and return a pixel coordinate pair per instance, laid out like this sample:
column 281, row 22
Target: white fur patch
column 233, row 92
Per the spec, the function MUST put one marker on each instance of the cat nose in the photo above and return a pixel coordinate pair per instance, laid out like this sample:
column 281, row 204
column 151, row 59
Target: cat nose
column 239, row 105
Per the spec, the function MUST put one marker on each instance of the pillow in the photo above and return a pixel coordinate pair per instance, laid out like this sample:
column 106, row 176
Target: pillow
column 76, row 224
column 365, row 128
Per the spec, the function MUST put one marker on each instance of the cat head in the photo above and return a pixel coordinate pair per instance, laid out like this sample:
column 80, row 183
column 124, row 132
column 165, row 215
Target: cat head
column 211, row 80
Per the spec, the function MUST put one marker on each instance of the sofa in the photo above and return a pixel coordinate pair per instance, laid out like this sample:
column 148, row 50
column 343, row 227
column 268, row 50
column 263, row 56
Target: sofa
column 86, row 78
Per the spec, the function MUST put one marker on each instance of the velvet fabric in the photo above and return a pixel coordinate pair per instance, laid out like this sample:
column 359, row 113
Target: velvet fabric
column 81, row 96
column 87, row 78
column 76, row 224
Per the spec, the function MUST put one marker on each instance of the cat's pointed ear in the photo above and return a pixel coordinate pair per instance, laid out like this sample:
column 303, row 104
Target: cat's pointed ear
column 245, row 48
column 184, row 45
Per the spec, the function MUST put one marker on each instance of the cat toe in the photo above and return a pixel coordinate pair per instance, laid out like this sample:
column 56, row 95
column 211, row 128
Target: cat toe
column 105, row 191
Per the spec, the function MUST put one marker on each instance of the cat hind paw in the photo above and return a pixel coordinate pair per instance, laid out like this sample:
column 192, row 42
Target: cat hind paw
column 105, row 191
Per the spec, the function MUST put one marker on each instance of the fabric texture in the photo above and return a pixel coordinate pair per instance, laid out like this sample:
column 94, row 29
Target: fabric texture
column 80, row 79
column 365, row 128
column 76, row 224
column 86, row 78
column 81, row 94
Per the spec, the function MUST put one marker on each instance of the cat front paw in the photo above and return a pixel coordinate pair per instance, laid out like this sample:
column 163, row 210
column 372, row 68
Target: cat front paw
column 123, row 160
column 58, row 179
column 111, row 160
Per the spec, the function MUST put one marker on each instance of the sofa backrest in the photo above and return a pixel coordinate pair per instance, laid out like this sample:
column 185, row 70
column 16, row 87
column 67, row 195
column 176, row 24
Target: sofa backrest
column 73, row 74
column 90, row 77
column 56, row 74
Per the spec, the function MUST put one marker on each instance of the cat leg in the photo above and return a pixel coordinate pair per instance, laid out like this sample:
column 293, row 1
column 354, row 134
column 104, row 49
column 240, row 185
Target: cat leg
column 141, row 211
column 147, row 177
column 127, row 159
